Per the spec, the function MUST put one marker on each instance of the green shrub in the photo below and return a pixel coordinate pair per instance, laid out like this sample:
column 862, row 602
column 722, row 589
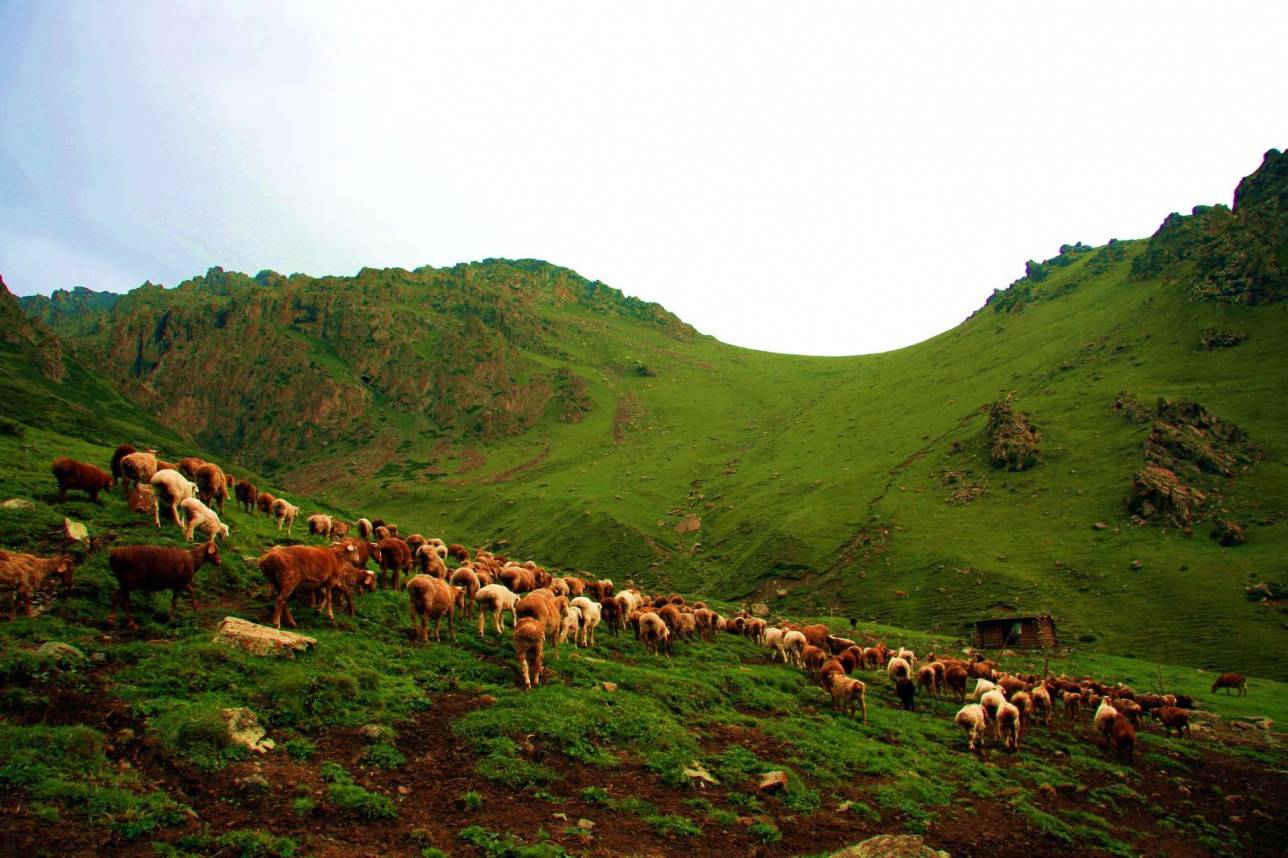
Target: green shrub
column 384, row 756
column 358, row 801
column 256, row 843
column 765, row 832
column 301, row 749
column 304, row 805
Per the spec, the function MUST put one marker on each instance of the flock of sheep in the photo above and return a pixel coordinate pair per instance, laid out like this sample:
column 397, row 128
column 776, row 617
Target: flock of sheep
column 544, row 607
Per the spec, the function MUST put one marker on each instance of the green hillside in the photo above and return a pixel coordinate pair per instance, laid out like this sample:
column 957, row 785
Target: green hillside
column 517, row 403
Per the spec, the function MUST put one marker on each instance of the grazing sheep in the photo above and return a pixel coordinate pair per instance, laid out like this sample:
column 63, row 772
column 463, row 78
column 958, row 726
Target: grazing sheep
column 600, row 590
column 212, row 485
column 906, row 689
column 1122, row 736
column 654, row 634
column 955, row 677
column 908, row 656
column 72, row 474
column 898, row 669
column 794, row 644
column 1023, row 701
column 431, row 598
column 831, row 668
column 992, row 701
column 613, row 613
column 570, row 624
column 591, row 617
column 545, row 606
column 394, row 558
column 1104, row 719
column 1173, row 718
column 773, row 640
column 1129, row 709
column 972, row 719
column 24, row 574
column 496, row 598
column 188, row 466
column 982, row 686
column 265, row 503
column 529, row 645
column 428, row 561
column 247, row 494
column 285, row 511
column 320, row 524
column 414, row 542
column 460, row 553
column 1227, row 681
column 1072, row 705
column 464, row 579
column 170, row 488
column 200, row 515
column 1010, row 684
column 1042, row 703
column 846, row 691
column 926, row 679
column 120, row 453
column 150, row 568
column 1008, row 725
column 137, row 469
column 288, row 568
column 365, row 530
column 816, row 635
column 814, row 658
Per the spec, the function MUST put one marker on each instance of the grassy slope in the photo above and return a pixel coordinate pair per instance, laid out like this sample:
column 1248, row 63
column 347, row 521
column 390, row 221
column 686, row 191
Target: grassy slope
column 796, row 456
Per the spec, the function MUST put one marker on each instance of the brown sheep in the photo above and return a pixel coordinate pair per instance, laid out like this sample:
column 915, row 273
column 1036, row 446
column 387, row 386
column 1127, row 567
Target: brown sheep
column 459, row 552
column 394, row 557
column 188, row 466
column 529, row 645
column 464, row 579
column 1042, row 703
column 1130, row 709
column 547, row 608
column 1231, row 680
column 613, row 613
column 517, row 578
column 121, row 452
column 654, row 634
column 24, row 574
column 1173, row 718
column 814, row 658
column 72, row 474
column 955, row 677
column 846, row 691
column 247, row 494
column 906, row 689
column 302, row 567
column 211, row 486
column 151, row 568
column 428, row 561
column 831, row 669
column 599, row 590
column 430, row 598
column 817, row 635
column 137, row 469
column 926, row 679
column 1122, row 736
column 576, row 586
column 265, row 503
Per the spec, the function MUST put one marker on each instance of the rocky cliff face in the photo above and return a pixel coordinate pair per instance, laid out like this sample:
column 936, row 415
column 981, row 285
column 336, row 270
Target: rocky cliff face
column 270, row 368
column 43, row 349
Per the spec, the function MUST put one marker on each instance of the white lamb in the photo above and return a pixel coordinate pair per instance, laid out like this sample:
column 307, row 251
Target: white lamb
column 569, row 625
column 908, row 656
column 898, row 669
column 794, row 646
column 590, row 619
column 285, row 511
column 200, row 515
column 971, row 718
column 170, row 487
column 981, row 686
column 772, row 639
column 496, row 598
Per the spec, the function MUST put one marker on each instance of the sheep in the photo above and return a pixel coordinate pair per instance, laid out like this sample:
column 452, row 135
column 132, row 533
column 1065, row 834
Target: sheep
column 460, row 553
column 431, row 598
column 320, row 524
column 1072, row 705
column 72, row 474
column 546, row 607
column 1104, row 719
column 1042, row 702
column 464, row 579
column 569, row 625
column 246, row 494
column 285, row 511
column 136, row 469
column 288, row 568
column 591, row 617
column 170, row 488
column 906, row 690
column 576, row 586
column 612, row 613
column 601, row 590
column 814, row 658
column 496, row 598
column 1023, row 701
column 1010, row 684
column 816, row 634
column 973, row 720
column 1129, row 709
column 1173, row 718
column 121, row 452
column 188, row 466
column 365, row 530
column 200, row 515
column 265, row 503
column 831, row 668
column 908, row 656
column 212, row 485
column 1008, row 725
column 394, row 557
column 992, row 701
column 846, row 690
column 1227, row 681
column 654, row 634
column 955, row 678
column 24, row 574
column 926, row 679
column 794, row 644
column 1122, row 735
column 428, row 561
column 773, row 640
column 414, row 542
column 898, row 669
column 529, row 645
column 440, row 547
column 150, row 568
column 982, row 686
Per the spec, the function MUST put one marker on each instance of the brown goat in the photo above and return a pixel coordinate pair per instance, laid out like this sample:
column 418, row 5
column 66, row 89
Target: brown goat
column 151, row 568
column 431, row 598
column 265, row 503
column 302, row 567
column 72, row 474
column 394, row 557
column 247, row 494
column 24, row 574
column 1231, row 680
column 211, row 485
column 529, row 646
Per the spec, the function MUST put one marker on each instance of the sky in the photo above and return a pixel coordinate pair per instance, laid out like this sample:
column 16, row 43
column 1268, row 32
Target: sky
column 815, row 178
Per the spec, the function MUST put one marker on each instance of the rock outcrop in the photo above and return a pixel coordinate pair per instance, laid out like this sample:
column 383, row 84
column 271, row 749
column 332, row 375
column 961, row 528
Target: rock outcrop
column 261, row 640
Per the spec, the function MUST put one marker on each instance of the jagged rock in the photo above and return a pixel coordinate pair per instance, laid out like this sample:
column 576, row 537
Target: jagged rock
column 16, row 503
column 1014, row 440
column 75, row 531
column 244, row 730
column 61, row 653
column 1100, row 525
column 689, row 524
column 773, row 782
column 1214, row 338
column 140, row 500
column 261, row 640
column 697, row 773
column 1228, row 533
column 253, row 781
column 1157, row 493
column 759, row 609
column 891, row 846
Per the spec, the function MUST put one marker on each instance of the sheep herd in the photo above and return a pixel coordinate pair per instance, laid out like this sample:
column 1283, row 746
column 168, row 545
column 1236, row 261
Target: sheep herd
column 545, row 608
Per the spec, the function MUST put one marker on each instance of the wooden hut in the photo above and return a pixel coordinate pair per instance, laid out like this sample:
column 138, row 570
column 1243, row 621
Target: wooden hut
column 1015, row 632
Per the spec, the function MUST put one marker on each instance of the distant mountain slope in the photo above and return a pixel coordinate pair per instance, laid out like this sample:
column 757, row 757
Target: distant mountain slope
column 516, row 402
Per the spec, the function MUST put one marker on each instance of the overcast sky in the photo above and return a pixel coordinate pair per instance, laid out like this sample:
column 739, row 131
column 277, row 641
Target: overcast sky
column 823, row 178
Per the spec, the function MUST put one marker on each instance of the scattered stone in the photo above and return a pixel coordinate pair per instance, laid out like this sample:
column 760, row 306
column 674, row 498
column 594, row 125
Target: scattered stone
column 1228, row 533
column 585, row 824
column 609, row 686
column 698, row 773
column 1100, row 525
column 375, row 733
column 261, row 640
column 253, row 781
column 75, row 531
column 487, row 700
column 690, row 524
column 1046, row 791
column 891, row 846
column 16, row 503
column 61, row 653
column 1158, row 493
column 404, row 790
column 1215, row 338
column 244, row 730
column 1137, row 564
column 773, row 782
column 759, row 609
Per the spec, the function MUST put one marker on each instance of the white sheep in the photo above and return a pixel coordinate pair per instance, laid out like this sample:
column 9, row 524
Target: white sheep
column 772, row 640
column 972, row 719
column 200, row 515
column 285, row 511
column 908, row 656
column 569, row 625
column 992, row 701
column 981, row 686
column 590, row 620
column 1008, row 724
column 1104, row 719
column 794, row 643
column 170, row 487
column 898, row 669
column 632, row 598
column 496, row 598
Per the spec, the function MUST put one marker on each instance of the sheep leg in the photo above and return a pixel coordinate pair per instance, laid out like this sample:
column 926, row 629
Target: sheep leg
column 438, row 622
column 174, row 598
column 326, row 600
column 481, row 618
column 156, row 511
column 523, row 665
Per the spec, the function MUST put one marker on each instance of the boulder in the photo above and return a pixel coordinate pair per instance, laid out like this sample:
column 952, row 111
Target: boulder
column 260, row 640
column 75, row 531
column 244, row 730
column 61, row 653
column 16, row 503
column 1228, row 533
column 773, row 782
column 759, row 609
column 698, row 774
column 891, row 846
